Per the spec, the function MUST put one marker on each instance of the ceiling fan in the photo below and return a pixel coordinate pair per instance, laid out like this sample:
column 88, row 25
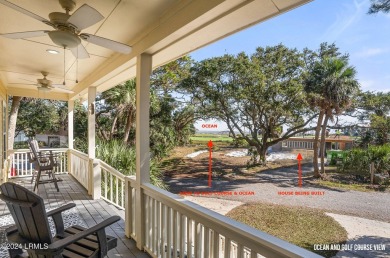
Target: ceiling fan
column 46, row 85
column 68, row 27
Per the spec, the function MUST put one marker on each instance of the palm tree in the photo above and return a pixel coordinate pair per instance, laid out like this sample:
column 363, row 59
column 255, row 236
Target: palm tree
column 122, row 99
column 332, row 85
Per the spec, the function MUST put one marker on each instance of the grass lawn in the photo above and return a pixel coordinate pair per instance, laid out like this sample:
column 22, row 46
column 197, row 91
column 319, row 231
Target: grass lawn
column 301, row 226
column 346, row 181
column 353, row 186
column 213, row 137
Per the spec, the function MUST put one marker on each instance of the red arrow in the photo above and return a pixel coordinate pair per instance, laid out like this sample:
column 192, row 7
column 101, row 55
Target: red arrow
column 299, row 158
column 210, row 145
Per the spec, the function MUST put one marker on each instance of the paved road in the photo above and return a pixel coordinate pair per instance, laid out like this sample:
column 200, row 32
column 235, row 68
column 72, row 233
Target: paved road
column 268, row 186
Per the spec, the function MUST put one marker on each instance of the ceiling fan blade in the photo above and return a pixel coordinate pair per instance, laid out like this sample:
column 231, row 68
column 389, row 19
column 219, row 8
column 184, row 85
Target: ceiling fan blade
column 80, row 52
column 28, row 80
column 25, row 34
column 61, row 89
column 18, row 83
column 107, row 43
column 26, row 12
column 84, row 17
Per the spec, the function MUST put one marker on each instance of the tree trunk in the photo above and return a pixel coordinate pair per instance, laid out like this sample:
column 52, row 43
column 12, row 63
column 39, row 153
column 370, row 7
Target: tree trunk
column 322, row 144
column 113, row 127
column 13, row 116
column 262, row 151
column 315, row 144
column 129, row 122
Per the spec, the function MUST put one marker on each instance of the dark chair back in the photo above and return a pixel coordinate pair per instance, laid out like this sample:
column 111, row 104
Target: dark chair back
column 28, row 212
column 34, row 147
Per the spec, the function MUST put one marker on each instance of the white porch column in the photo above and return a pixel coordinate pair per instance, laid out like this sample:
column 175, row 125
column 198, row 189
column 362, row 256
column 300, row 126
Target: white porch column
column 144, row 69
column 94, row 179
column 70, row 123
column 70, row 134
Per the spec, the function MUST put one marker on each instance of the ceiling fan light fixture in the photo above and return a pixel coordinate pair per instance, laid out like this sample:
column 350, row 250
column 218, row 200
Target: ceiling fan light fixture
column 52, row 51
column 64, row 38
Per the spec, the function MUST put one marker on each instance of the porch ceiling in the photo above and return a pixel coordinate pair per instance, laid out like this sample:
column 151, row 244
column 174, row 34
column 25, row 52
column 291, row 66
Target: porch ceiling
column 167, row 29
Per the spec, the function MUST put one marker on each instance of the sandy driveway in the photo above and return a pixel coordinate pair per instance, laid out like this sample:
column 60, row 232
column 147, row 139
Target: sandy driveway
column 280, row 186
column 365, row 215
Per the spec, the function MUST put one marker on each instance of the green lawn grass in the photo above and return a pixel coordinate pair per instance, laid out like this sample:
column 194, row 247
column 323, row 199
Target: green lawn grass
column 355, row 187
column 212, row 137
column 301, row 226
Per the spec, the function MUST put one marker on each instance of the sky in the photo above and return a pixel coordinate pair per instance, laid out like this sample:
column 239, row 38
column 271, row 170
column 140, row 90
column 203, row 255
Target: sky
column 366, row 38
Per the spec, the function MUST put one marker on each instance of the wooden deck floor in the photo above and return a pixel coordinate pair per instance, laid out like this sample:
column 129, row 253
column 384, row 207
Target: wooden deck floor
column 91, row 211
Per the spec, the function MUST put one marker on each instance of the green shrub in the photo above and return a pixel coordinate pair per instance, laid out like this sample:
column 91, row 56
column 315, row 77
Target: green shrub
column 357, row 161
column 21, row 145
column 122, row 157
column 239, row 141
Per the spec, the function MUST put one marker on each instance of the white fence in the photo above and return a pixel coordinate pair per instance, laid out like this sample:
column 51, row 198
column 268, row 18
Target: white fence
column 21, row 167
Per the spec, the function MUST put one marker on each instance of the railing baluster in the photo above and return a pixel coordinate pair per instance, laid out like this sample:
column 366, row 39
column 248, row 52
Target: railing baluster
column 206, row 242
column 147, row 221
column 228, row 246
column 189, row 237
column 154, row 227
column 240, row 251
column 117, row 190
column 151, row 223
column 182, row 234
column 105, row 183
column 133, row 196
column 163, row 230
column 215, row 244
column 159, row 241
column 17, row 163
column 123, row 194
column 110, row 188
column 197, row 240
column 175, row 230
column 169, row 228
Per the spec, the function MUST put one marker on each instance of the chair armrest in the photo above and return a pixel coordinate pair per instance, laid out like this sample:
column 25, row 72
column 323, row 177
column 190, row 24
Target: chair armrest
column 57, row 217
column 60, row 244
column 61, row 209
column 11, row 229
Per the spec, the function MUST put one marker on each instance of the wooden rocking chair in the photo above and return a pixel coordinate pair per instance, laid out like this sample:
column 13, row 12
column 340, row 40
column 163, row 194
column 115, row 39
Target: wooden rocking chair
column 44, row 163
column 31, row 231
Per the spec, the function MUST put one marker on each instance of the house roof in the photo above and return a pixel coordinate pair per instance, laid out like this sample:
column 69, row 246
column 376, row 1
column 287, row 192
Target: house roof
column 166, row 29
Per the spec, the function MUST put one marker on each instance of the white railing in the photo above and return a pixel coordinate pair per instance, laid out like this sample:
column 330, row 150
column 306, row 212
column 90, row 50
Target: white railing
column 175, row 227
column 113, row 185
column 21, row 167
column 79, row 167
